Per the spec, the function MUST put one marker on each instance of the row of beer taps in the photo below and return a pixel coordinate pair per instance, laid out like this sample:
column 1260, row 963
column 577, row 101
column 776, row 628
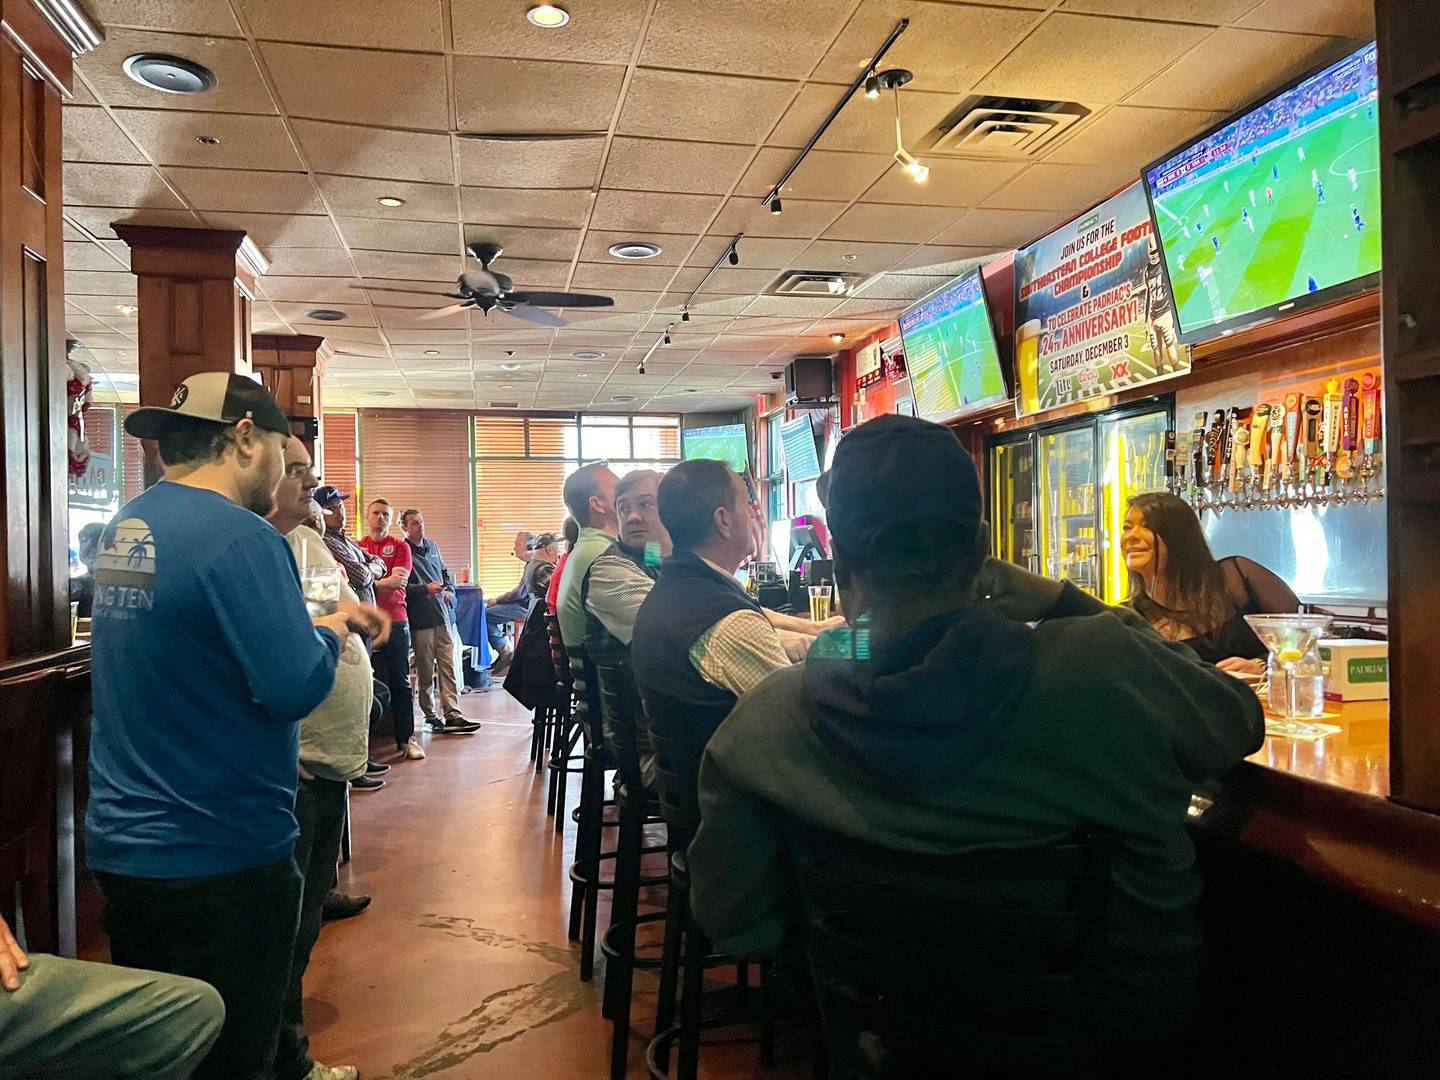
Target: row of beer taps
column 1300, row 451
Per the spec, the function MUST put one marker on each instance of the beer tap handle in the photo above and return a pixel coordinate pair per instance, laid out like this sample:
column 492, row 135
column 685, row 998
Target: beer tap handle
column 1370, row 427
column 1349, row 435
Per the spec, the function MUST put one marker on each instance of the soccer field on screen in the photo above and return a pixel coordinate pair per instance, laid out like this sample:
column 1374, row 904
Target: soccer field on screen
column 1298, row 243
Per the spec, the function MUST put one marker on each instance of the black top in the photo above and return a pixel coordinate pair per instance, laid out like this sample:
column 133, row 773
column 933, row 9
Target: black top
column 1255, row 591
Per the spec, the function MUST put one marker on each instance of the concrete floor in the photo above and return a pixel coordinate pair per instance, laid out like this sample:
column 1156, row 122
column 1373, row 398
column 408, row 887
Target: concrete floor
column 461, row 967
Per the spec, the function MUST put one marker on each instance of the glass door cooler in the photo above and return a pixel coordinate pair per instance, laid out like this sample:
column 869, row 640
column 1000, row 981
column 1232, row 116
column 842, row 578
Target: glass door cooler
column 1012, row 502
column 1069, row 526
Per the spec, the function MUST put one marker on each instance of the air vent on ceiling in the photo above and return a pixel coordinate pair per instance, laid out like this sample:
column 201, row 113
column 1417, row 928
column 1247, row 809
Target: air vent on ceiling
column 1010, row 127
column 817, row 283
column 504, row 404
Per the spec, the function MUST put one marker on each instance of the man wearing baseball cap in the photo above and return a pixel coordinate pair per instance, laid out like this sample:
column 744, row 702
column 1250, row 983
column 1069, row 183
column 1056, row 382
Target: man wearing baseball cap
column 941, row 722
column 360, row 569
column 204, row 660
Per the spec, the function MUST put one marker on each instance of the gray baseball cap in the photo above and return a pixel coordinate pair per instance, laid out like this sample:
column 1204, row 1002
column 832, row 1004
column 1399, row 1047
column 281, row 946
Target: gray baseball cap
column 217, row 396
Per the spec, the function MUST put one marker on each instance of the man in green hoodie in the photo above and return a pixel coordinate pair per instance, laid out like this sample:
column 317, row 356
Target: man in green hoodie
column 941, row 722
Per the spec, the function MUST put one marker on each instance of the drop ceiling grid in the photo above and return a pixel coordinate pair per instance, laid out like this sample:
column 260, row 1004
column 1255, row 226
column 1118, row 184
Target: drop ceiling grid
column 247, row 17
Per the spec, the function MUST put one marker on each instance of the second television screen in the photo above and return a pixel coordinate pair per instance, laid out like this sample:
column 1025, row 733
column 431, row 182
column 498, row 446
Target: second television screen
column 950, row 351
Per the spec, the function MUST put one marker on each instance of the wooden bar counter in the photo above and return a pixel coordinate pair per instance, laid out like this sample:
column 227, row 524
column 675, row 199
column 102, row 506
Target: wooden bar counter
column 1356, row 758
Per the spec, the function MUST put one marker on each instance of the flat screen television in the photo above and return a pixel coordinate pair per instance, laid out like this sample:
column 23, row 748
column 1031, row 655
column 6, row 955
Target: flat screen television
column 802, row 456
column 723, row 442
column 950, row 351
column 1278, row 209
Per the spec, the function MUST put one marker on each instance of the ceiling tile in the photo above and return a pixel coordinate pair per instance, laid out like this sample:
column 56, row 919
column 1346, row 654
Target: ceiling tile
column 715, row 108
column 884, row 222
column 999, row 228
column 376, row 24
column 459, row 338
column 238, row 87
column 1062, row 187
column 1354, row 19
column 416, row 319
column 728, row 280
column 1232, row 68
column 621, row 276
column 417, row 294
column 242, row 189
column 1212, row 12
column 903, row 286
column 278, row 230
column 97, row 221
column 801, row 218
column 520, row 242
column 811, row 307
column 947, row 46
column 862, row 258
column 620, row 210
column 368, row 86
column 376, row 234
column 83, row 255
column 527, row 163
column 824, row 174
column 863, row 125
column 357, row 314
column 943, row 259
column 88, row 134
column 710, row 305
column 952, row 182
column 1130, row 135
column 176, row 16
column 535, row 95
column 672, row 165
column 673, row 247
column 561, row 209
column 391, row 264
column 756, row 325
column 535, row 273
column 309, row 262
column 599, row 31
column 171, row 137
column 99, row 283
column 1059, row 59
column 116, row 185
column 315, row 291
column 742, row 37
column 348, row 150
column 759, row 252
column 355, row 197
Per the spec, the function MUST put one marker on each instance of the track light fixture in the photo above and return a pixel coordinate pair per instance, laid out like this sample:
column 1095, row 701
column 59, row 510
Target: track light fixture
column 665, row 340
column 775, row 207
column 872, row 86
column 685, row 315
column 731, row 254
column 734, row 257
column 892, row 80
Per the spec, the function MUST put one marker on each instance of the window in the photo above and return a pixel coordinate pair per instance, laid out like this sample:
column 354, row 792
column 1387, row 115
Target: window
column 339, row 464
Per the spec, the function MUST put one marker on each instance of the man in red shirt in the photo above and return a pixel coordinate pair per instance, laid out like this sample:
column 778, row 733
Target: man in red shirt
column 394, row 655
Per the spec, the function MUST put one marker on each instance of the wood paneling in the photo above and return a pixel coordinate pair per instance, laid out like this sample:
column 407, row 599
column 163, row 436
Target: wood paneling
column 292, row 366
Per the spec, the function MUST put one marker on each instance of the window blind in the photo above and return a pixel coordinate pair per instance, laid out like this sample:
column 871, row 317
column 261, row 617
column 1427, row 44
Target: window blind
column 513, row 493
column 420, row 458
column 132, row 460
column 340, row 465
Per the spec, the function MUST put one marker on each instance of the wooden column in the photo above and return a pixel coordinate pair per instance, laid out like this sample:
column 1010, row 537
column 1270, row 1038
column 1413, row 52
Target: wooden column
column 195, row 289
column 1408, row 33
column 291, row 366
column 38, row 39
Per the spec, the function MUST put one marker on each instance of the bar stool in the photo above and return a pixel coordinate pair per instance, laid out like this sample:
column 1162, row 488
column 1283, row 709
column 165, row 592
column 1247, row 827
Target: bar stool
column 27, row 805
column 620, row 708
column 564, row 736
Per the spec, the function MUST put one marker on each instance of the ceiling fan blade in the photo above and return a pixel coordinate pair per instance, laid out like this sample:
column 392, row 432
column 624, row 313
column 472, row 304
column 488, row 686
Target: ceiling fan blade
column 561, row 299
column 481, row 281
column 538, row 316
column 444, row 312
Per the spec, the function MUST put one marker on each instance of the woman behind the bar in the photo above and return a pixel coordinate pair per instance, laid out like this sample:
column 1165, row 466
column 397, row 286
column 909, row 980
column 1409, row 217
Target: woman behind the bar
column 1189, row 596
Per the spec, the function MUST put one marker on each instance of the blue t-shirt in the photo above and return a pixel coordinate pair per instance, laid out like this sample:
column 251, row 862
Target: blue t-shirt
column 204, row 660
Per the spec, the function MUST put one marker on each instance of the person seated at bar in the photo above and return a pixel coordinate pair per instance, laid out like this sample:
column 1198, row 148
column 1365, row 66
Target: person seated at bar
column 515, row 604
column 1187, row 595
column 570, row 530
column 943, row 723
column 74, row 1018
column 590, row 498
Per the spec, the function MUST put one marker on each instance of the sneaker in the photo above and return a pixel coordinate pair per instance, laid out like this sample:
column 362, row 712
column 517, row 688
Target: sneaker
column 434, row 723
column 339, row 906
column 412, row 750
column 375, row 768
column 332, row 1072
column 366, row 783
column 458, row 725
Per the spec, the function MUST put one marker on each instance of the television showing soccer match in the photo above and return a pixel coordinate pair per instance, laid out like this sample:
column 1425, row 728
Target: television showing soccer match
column 1278, row 209
column 950, row 351
column 724, row 442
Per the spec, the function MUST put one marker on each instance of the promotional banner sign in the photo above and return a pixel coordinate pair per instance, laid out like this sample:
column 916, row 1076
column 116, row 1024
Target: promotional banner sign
column 1093, row 308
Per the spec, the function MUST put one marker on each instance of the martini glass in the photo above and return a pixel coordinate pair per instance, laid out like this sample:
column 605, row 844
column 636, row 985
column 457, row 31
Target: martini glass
column 1289, row 638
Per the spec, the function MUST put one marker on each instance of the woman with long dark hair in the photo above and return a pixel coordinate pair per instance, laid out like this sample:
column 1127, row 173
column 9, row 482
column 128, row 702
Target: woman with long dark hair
column 1189, row 596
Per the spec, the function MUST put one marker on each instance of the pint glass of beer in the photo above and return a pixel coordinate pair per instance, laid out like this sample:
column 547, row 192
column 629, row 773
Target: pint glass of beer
column 819, row 603
column 1027, row 364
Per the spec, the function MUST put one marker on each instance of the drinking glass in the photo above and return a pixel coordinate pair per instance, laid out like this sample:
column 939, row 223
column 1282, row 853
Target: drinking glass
column 321, row 586
column 819, row 603
column 1289, row 638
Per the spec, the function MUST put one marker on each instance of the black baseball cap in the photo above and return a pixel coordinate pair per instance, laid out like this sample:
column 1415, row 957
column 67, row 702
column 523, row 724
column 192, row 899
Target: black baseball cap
column 329, row 495
column 894, row 470
column 217, row 396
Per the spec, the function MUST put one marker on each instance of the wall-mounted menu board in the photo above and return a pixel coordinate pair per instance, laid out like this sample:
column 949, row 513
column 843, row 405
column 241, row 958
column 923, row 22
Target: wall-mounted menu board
column 1093, row 308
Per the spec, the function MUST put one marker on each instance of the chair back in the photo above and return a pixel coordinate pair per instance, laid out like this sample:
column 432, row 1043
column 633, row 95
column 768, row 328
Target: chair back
column 619, row 712
column 587, row 696
column 558, row 658
column 27, row 777
column 961, row 963
column 679, row 734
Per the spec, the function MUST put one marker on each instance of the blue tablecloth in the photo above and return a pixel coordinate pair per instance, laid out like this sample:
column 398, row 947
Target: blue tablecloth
column 470, row 621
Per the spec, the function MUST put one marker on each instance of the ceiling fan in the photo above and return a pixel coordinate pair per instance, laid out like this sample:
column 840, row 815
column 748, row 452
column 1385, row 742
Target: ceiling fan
column 488, row 289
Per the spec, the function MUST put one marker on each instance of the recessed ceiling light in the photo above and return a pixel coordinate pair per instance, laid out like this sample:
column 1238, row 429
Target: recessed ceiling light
column 634, row 249
column 207, row 140
column 507, row 386
column 588, row 354
column 509, row 367
column 126, row 309
column 390, row 200
column 326, row 315
column 849, row 256
column 582, row 375
column 548, row 16
column 623, row 397
column 169, row 74
column 432, row 352
column 837, row 338
column 382, row 393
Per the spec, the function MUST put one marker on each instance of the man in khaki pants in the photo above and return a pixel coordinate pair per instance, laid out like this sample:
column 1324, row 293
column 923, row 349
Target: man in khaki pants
column 429, row 594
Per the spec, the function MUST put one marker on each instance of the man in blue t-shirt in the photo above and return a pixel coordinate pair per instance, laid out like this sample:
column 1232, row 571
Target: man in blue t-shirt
column 204, row 660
